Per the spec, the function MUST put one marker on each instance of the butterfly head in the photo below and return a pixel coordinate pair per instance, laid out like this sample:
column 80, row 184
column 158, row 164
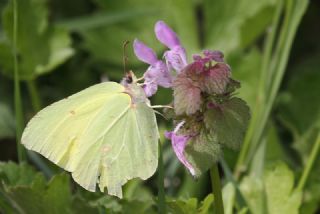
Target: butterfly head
column 136, row 92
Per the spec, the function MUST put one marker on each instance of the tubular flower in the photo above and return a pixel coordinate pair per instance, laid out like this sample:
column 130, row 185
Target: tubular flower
column 179, row 142
column 157, row 73
column 197, row 87
column 175, row 57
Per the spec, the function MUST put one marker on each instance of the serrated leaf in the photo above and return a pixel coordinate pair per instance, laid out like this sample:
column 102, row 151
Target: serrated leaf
column 55, row 198
column 27, row 191
column 228, row 122
column 41, row 47
column 202, row 153
column 225, row 126
column 12, row 174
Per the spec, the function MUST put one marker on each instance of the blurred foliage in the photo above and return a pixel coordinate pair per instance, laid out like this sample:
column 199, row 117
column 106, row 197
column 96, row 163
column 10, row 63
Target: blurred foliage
column 272, row 193
column 41, row 47
column 66, row 46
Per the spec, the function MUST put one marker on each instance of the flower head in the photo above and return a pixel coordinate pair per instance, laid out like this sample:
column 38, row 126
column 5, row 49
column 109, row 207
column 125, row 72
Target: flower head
column 198, row 87
column 175, row 57
column 157, row 73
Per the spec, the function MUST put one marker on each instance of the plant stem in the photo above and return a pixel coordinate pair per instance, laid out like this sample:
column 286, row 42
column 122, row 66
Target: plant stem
column 293, row 17
column 309, row 165
column 261, row 96
column 17, row 92
column 216, row 189
column 35, row 98
column 161, row 192
column 276, row 69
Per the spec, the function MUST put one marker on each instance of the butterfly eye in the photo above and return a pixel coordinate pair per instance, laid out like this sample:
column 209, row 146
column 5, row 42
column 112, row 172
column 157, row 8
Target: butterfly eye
column 128, row 79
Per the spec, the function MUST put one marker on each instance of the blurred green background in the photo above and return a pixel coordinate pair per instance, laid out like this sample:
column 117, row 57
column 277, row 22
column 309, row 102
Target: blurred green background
column 66, row 46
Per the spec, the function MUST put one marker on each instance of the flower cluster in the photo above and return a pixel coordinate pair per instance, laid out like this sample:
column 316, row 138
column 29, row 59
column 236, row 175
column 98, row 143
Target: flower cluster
column 198, row 87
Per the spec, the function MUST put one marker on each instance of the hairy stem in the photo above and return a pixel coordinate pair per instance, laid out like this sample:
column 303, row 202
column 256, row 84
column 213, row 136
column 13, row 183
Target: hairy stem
column 216, row 189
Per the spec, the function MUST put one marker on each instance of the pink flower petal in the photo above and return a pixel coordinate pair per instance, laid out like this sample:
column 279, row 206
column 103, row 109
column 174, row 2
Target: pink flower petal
column 166, row 35
column 176, row 58
column 179, row 143
column 150, row 88
column 144, row 53
column 159, row 74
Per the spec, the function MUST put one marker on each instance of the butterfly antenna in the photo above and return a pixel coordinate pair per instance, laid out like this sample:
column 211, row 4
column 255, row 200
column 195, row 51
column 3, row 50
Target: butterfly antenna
column 124, row 57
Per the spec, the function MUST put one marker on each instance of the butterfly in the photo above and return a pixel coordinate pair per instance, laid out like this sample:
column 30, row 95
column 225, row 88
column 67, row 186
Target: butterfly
column 104, row 135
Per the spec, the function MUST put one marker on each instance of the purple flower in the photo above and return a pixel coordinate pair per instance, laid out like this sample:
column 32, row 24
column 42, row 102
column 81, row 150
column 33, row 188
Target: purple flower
column 175, row 57
column 157, row 73
column 195, row 87
column 179, row 143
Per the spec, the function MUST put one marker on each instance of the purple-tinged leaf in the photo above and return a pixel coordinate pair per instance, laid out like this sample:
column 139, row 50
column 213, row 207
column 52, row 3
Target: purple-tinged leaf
column 187, row 95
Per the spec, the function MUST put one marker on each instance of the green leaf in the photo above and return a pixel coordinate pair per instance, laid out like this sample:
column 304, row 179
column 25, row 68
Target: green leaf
column 12, row 174
column 281, row 196
column 272, row 193
column 27, row 192
column 7, row 128
column 225, row 126
column 191, row 205
column 201, row 152
column 253, row 191
column 41, row 47
column 206, row 205
column 80, row 206
column 224, row 21
column 228, row 194
column 40, row 199
column 228, row 122
column 179, row 206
